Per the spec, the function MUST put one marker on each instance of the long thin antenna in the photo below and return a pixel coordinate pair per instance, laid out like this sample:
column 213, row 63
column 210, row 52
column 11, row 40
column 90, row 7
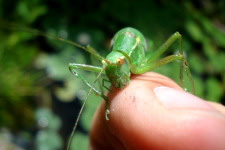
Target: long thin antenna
column 81, row 110
column 88, row 48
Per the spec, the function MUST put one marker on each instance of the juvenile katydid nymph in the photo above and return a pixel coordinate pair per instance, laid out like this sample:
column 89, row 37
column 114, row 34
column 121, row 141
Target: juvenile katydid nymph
column 128, row 56
column 131, row 42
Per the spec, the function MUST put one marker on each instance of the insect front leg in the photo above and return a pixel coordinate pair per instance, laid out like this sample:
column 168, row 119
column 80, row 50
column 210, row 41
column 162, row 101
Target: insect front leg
column 73, row 68
column 103, row 84
column 151, row 62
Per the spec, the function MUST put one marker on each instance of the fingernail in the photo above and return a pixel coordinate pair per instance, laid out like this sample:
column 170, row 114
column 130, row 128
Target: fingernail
column 173, row 98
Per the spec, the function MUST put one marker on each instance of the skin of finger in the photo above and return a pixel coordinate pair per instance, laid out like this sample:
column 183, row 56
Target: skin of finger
column 139, row 121
column 218, row 107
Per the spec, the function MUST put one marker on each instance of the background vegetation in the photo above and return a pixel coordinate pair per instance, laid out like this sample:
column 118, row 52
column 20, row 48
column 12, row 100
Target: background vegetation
column 40, row 98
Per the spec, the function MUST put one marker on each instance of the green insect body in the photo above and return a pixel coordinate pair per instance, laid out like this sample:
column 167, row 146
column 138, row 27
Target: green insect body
column 128, row 56
column 131, row 42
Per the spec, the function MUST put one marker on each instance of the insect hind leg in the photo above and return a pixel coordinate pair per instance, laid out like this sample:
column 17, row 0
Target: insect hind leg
column 184, row 64
column 151, row 62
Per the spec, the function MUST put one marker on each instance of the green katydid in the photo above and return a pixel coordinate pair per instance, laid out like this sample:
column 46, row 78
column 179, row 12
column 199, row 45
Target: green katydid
column 128, row 57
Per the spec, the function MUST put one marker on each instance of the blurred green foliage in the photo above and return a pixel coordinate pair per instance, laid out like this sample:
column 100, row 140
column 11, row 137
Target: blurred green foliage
column 47, row 138
column 29, row 64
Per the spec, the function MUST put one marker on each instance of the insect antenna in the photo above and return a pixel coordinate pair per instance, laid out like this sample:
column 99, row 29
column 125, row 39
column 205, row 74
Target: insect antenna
column 13, row 26
column 81, row 110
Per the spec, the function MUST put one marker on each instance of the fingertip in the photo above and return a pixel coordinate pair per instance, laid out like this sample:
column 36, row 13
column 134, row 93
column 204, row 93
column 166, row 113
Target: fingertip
column 139, row 120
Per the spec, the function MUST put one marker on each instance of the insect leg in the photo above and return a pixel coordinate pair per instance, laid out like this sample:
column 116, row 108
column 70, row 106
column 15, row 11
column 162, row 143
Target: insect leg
column 183, row 62
column 74, row 66
column 73, row 70
column 103, row 84
column 148, row 67
column 165, row 46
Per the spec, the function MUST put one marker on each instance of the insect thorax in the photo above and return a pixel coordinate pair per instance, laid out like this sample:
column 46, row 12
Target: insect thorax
column 131, row 42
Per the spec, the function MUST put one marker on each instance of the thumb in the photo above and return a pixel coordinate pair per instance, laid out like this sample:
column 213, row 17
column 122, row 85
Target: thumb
column 153, row 112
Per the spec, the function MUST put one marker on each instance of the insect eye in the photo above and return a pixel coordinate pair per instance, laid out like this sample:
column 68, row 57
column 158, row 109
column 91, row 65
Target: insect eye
column 120, row 61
